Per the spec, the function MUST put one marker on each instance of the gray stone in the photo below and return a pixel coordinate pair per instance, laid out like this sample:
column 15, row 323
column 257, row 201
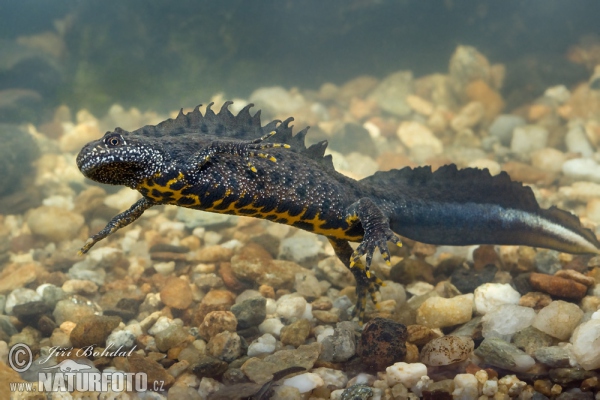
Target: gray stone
column 123, row 339
column 74, row 308
column 170, row 337
column 340, row 346
column 501, row 354
column 553, row 356
column 391, row 93
column 302, row 249
column 51, row 294
column 503, row 125
column 531, row 339
column 20, row 296
column 251, row 312
column 194, row 219
column 547, row 262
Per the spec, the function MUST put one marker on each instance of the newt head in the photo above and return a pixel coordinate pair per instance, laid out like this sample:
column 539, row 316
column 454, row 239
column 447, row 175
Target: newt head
column 121, row 158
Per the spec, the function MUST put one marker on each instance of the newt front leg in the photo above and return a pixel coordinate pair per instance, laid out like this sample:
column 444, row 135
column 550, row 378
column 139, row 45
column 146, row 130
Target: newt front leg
column 118, row 222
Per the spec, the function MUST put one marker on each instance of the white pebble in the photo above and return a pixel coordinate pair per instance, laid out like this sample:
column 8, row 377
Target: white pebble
column 465, row 387
column 506, row 320
column 490, row 295
column 123, row 199
column 558, row 319
column 528, row 138
column 291, row 307
column 20, row 296
column 263, row 345
column 447, row 350
column 586, row 344
column 164, row 268
column 304, row 382
column 332, row 377
column 272, row 326
column 577, row 142
column 584, row 169
column 490, row 388
column 407, row 374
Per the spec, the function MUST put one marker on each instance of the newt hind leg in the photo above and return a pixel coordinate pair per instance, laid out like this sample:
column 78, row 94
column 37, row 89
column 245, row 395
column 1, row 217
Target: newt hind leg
column 366, row 281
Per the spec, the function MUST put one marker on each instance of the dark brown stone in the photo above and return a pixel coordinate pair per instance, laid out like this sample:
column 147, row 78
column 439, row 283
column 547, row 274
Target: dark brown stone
column 382, row 343
column 557, row 286
column 93, row 330
column 156, row 373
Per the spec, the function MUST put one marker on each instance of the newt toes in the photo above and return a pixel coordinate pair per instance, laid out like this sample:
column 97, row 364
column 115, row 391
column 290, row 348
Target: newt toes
column 225, row 163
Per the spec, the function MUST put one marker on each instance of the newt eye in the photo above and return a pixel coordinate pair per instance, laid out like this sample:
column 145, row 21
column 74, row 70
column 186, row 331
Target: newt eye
column 114, row 141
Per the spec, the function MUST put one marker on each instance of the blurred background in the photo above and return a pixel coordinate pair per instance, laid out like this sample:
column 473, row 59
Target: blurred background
column 162, row 54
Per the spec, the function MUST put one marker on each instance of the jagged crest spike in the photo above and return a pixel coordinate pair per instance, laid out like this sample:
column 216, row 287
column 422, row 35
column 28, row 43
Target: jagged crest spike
column 243, row 126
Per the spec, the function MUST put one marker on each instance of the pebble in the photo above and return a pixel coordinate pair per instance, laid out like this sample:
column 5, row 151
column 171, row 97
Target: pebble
column 503, row 126
column 332, row 378
column 225, row 346
column 406, row 374
column 250, row 312
column 336, row 272
column 170, row 337
column 216, row 322
column 465, row 387
column 261, row 371
column 577, row 142
column 296, row 333
column 583, row 169
column 156, row 374
column 505, row 320
column 547, row 261
column 176, row 293
column 339, row 346
column 54, row 224
column 307, row 285
column 553, row 356
column 528, row 138
column 300, row 248
column 447, row 350
column 531, row 339
column 468, row 116
column 502, row 354
column 419, row 138
column 586, row 344
column 304, row 382
column 467, row 280
column 74, row 309
column 194, row 219
column 391, row 93
column 121, row 339
column 123, row 199
column 580, row 191
column 382, row 343
column 557, row 286
column 548, row 159
column 73, row 286
column 20, row 296
column 292, row 307
column 265, row 344
column 19, row 277
column 93, row 330
column 558, row 319
column 276, row 100
column 490, row 295
column 438, row 312
column 272, row 326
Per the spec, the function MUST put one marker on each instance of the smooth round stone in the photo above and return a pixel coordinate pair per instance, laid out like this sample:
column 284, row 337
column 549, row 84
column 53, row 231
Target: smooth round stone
column 407, row 374
column 304, row 382
column 505, row 320
column 291, row 307
column 503, row 126
column 558, row 319
column 263, row 345
column 586, row 344
column 447, row 350
column 528, row 138
column 490, row 295
column 55, row 224
column 505, row 355
column 438, row 312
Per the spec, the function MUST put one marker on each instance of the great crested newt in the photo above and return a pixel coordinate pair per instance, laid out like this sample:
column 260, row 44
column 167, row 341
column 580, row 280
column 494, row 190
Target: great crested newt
column 231, row 164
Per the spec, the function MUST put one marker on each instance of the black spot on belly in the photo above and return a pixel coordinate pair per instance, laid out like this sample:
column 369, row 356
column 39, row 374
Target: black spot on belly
column 311, row 212
column 157, row 193
column 266, row 203
column 186, row 201
column 144, row 191
column 243, row 201
column 304, row 225
column 271, row 217
column 246, row 211
column 177, row 185
column 281, row 220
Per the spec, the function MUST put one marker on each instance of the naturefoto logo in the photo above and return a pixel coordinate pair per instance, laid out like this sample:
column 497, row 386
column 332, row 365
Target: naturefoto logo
column 72, row 374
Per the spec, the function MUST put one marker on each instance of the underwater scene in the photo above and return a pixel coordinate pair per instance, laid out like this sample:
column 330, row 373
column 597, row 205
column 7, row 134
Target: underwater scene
column 361, row 199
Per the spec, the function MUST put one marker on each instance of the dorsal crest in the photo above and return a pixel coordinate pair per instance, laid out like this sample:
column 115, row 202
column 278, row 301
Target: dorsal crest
column 242, row 126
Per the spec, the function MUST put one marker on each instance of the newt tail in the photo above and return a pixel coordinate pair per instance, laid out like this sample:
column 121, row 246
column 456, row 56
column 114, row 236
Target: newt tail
column 231, row 164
